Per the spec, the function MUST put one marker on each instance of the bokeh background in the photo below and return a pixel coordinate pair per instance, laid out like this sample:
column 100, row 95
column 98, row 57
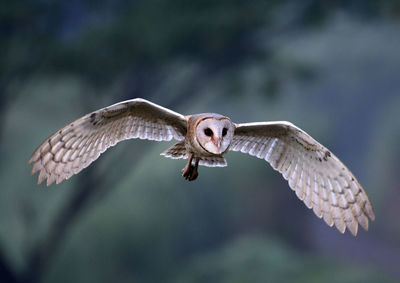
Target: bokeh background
column 330, row 67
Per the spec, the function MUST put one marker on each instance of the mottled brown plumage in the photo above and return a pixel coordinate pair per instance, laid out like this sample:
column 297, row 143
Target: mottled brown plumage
column 317, row 176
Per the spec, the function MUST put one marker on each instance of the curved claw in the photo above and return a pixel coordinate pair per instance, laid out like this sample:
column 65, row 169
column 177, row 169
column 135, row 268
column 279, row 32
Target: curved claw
column 189, row 172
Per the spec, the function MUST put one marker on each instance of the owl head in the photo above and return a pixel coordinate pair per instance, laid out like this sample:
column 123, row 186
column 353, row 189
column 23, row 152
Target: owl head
column 214, row 134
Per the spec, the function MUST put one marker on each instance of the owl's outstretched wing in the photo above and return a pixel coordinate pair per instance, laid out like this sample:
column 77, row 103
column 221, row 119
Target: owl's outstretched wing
column 317, row 176
column 79, row 143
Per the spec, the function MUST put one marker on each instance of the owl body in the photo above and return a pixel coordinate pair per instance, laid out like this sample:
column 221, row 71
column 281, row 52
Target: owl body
column 316, row 175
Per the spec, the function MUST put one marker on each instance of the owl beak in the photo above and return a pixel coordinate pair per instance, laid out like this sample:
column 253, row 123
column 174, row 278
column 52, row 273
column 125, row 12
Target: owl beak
column 217, row 142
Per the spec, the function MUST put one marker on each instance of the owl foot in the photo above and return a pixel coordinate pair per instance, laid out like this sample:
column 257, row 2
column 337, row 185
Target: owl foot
column 189, row 172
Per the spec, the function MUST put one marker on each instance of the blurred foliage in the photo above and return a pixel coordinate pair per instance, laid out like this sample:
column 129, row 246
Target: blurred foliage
column 270, row 260
column 104, row 38
column 131, row 217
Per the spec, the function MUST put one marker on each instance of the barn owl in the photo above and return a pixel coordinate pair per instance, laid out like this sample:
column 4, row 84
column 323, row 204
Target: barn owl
column 317, row 176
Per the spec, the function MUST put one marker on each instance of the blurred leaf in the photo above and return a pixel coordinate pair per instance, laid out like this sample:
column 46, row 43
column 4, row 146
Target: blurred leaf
column 251, row 259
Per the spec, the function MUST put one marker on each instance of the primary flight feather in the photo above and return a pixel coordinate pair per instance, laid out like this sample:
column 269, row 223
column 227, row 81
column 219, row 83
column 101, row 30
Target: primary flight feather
column 317, row 176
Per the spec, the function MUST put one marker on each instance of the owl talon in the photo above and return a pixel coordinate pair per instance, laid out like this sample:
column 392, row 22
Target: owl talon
column 186, row 172
column 189, row 172
column 194, row 174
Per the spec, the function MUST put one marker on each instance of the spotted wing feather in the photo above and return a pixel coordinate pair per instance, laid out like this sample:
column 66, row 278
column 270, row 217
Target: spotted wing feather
column 317, row 176
column 78, row 144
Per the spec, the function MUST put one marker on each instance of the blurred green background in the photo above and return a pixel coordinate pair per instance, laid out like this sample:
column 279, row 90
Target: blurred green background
column 330, row 67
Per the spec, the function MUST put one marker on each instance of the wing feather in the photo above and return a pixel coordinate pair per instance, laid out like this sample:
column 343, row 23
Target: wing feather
column 317, row 176
column 78, row 144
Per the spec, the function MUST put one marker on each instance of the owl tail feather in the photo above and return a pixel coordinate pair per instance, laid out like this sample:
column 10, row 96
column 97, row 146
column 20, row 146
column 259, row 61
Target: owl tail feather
column 178, row 151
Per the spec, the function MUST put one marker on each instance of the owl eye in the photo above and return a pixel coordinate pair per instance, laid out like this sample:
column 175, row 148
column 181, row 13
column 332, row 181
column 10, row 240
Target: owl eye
column 208, row 132
column 224, row 132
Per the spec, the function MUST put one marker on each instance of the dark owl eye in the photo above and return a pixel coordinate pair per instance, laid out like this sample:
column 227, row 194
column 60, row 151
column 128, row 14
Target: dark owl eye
column 224, row 132
column 208, row 132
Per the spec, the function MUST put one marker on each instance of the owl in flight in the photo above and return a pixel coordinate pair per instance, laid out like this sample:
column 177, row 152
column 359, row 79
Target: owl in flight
column 317, row 176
